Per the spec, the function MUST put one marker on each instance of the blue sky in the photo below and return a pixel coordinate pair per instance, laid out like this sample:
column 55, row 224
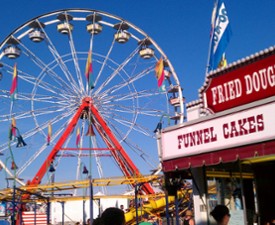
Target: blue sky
column 180, row 27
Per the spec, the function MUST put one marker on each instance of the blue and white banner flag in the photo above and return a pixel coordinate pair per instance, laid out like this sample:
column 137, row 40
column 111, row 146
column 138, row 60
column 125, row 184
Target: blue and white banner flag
column 220, row 34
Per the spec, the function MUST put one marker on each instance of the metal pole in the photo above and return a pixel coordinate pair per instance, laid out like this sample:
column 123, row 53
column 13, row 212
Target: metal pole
column 136, row 203
column 13, row 206
column 91, row 201
column 84, row 196
column 49, row 203
column 242, row 190
column 99, row 207
column 210, row 42
column 167, row 208
column 177, row 209
column 84, row 214
column 35, row 206
column 90, row 175
column 63, row 219
column 48, row 211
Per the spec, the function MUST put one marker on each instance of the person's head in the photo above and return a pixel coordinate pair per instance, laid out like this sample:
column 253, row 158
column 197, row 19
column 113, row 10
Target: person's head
column 188, row 213
column 145, row 217
column 113, row 216
column 221, row 214
column 98, row 221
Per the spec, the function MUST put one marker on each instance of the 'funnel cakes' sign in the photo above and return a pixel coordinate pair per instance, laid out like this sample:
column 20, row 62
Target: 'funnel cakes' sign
column 241, row 128
column 246, row 84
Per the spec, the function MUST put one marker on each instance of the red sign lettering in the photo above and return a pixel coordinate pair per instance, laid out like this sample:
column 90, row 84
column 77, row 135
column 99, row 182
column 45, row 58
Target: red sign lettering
column 197, row 137
column 243, row 126
column 249, row 83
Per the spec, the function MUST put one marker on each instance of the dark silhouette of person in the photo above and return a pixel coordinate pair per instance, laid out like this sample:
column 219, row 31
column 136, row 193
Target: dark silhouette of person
column 221, row 214
column 111, row 216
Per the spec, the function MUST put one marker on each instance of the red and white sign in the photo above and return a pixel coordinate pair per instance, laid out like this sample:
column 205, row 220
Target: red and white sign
column 251, row 82
column 221, row 132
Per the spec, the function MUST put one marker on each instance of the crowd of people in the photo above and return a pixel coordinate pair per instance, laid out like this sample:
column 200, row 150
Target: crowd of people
column 116, row 216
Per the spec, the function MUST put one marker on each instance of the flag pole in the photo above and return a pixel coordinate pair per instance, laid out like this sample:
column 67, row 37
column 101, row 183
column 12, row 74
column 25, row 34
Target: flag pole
column 213, row 19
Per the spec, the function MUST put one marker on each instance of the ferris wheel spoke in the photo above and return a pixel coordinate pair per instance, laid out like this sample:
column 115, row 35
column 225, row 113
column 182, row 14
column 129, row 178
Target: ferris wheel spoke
column 4, row 95
column 76, row 64
column 98, row 162
column 119, row 68
column 42, row 84
column 104, row 62
column 137, row 150
column 55, row 135
column 39, row 128
column 132, row 124
column 132, row 79
column 60, row 80
column 65, row 114
column 144, row 155
column 87, row 69
column 133, row 95
column 24, row 114
column 37, row 61
column 127, row 82
column 59, row 100
column 55, row 89
column 148, row 112
column 49, row 111
column 62, row 102
column 58, row 59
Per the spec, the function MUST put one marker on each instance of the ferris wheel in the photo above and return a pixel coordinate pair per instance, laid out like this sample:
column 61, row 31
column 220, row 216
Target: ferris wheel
column 83, row 93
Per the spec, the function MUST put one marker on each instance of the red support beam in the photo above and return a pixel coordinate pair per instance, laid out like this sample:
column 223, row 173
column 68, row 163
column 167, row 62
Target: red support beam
column 43, row 169
column 75, row 149
column 125, row 163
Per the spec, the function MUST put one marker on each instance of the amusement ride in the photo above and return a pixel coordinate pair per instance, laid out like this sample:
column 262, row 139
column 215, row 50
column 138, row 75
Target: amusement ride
column 83, row 96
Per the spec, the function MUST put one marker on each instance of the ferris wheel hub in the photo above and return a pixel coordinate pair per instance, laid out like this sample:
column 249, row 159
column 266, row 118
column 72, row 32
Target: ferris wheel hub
column 87, row 100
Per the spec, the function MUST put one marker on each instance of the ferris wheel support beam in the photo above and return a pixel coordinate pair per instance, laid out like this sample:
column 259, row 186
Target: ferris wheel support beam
column 43, row 169
column 125, row 163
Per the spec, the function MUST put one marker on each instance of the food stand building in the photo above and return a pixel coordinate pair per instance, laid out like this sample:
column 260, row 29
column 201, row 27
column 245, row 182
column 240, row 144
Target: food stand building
column 227, row 145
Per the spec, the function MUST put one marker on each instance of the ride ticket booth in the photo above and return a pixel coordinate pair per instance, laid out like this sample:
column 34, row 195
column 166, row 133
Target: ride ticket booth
column 227, row 145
